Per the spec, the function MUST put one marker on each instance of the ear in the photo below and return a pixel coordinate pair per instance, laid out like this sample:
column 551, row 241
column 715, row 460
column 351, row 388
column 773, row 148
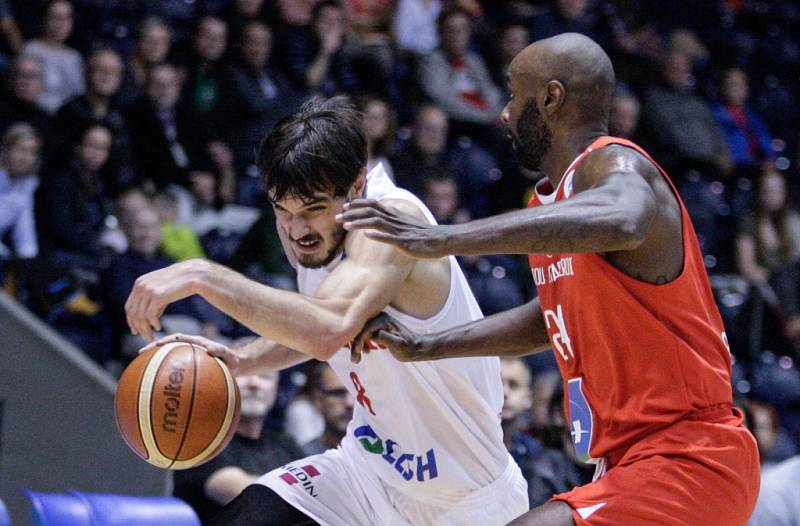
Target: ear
column 554, row 96
column 359, row 185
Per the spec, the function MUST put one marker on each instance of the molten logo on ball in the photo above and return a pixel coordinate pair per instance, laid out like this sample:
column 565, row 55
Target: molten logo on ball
column 172, row 402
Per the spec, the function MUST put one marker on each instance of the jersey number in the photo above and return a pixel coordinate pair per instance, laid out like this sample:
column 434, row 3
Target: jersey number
column 555, row 323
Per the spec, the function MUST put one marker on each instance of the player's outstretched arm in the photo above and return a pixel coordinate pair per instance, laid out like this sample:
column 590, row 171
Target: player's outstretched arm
column 515, row 332
column 358, row 289
column 612, row 211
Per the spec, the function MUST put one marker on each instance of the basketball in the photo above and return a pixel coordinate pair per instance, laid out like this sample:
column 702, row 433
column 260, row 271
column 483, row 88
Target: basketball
column 177, row 406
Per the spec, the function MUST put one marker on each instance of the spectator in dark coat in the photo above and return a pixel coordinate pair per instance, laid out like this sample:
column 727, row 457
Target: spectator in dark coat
column 314, row 55
column 256, row 95
column 152, row 47
column 19, row 103
column 72, row 206
column 201, row 92
column 98, row 107
column 167, row 139
column 680, row 124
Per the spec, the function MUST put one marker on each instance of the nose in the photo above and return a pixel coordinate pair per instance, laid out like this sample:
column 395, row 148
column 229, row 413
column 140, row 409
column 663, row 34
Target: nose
column 505, row 114
column 298, row 228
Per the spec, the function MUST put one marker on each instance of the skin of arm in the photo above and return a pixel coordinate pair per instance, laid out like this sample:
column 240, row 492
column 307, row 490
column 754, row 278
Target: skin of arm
column 225, row 484
column 358, row 289
column 612, row 210
column 515, row 332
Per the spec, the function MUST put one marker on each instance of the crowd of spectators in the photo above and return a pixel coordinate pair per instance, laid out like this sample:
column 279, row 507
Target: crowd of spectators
column 129, row 130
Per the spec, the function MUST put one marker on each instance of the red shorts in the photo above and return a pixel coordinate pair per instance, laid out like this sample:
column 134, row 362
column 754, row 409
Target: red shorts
column 695, row 472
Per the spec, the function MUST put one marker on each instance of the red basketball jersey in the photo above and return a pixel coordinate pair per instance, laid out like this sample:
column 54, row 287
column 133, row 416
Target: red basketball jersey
column 634, row 356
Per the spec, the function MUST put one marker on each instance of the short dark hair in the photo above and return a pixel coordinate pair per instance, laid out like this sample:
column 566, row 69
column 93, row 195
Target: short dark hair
column 321, row 148
column 451, row 11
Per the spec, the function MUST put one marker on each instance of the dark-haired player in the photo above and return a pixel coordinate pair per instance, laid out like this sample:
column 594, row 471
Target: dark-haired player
column 425, row 445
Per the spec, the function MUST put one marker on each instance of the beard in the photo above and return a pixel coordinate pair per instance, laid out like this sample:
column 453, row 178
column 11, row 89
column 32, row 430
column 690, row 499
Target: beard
column 532, row 139
column 312, row 261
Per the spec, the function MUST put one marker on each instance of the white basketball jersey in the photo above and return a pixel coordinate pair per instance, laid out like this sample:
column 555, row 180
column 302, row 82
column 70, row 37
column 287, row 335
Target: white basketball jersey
column 430, row 430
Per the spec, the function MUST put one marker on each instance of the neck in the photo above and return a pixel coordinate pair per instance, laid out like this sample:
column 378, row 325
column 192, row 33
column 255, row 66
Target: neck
column 250, row 427
column 566, row 146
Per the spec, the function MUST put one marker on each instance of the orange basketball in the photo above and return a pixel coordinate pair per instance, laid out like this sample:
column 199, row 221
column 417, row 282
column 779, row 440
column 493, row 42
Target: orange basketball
column 177, row 406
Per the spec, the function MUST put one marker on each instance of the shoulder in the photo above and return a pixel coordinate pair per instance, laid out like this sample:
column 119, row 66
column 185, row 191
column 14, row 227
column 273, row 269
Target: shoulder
column 613, row 159
column 405, row 206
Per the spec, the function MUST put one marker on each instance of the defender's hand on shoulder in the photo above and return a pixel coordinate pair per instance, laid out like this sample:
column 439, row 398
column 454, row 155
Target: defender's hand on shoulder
column 412, row 236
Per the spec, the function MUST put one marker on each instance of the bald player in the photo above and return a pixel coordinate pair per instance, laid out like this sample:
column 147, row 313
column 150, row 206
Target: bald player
column 624, row 302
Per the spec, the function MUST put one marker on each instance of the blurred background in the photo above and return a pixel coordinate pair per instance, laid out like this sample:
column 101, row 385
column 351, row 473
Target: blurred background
column 128, row 136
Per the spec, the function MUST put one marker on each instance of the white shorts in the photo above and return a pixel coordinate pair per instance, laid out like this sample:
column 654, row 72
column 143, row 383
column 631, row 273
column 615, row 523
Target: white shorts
column 336, row 491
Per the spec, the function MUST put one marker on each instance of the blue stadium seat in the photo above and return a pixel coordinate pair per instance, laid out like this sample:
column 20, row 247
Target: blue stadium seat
column 123, row 510
column 58, row 509
column 5, row 520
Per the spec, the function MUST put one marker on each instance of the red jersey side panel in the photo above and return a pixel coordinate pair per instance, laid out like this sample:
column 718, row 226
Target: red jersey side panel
column 635, row 357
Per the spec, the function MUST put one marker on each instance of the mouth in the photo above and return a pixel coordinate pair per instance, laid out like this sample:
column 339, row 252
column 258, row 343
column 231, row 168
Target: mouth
column 308, row 245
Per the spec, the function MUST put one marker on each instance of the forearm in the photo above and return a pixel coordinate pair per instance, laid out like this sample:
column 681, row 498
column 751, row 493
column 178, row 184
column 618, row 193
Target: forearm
column 265, row 356
column 516, row 332
column 580, row 224
column 293, row 320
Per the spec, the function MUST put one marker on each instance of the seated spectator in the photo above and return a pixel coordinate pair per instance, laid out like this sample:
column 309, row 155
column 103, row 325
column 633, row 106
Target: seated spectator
column 567, row 16
column 680, row 124
column 72, row 206
column 256, row 95
column 548, row 470
column 428, row 150
column 201, row 91
column 20, row 102
column 747, row 136
column 152, row 47
column 512, row 39
column 456, row 78
column 414, row 25
column 62, row 65
column 98, row 107
column 380, row 122
column 19, row 165
column 768, row 247
column 370, row 46
column 166, row 138
column 440, row 195
column 315, row 57
column 778, row 504
column 624, row 119
column 252, row 452
column 143, row 234
column 334, row 402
